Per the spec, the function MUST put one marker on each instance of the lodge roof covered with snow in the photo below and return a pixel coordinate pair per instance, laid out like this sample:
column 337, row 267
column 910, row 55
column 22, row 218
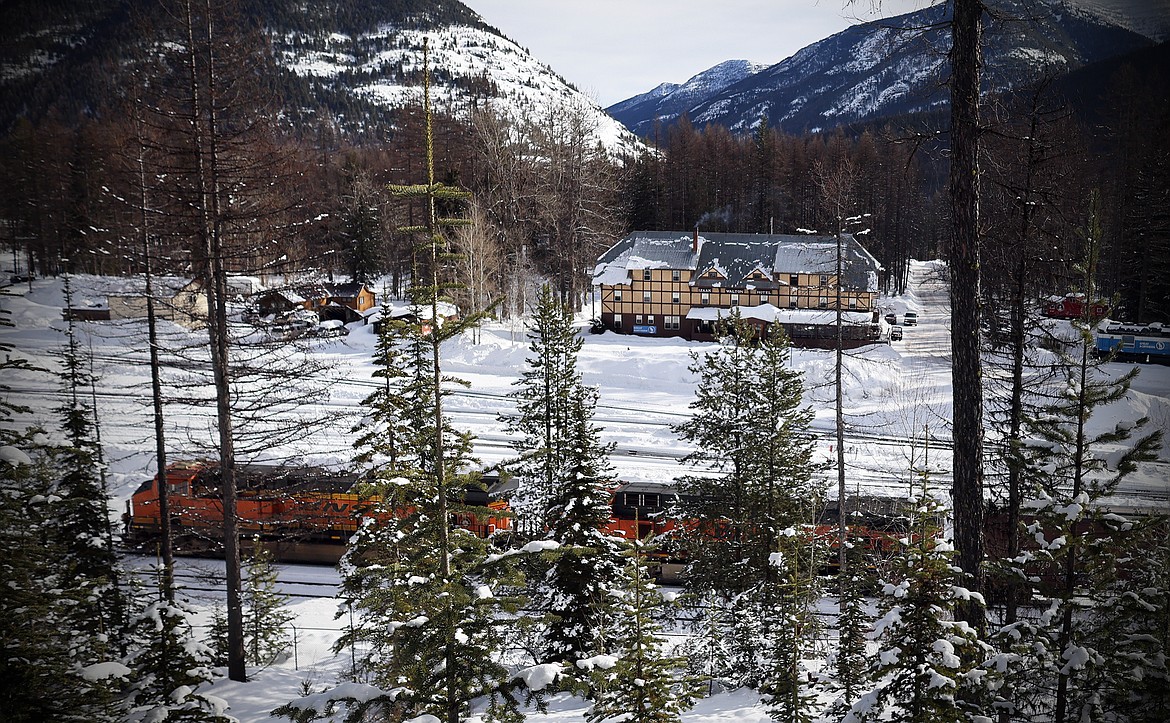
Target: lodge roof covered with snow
column 736, row 256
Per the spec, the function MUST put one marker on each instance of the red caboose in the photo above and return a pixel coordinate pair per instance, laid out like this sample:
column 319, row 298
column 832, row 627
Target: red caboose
column 1072, row 306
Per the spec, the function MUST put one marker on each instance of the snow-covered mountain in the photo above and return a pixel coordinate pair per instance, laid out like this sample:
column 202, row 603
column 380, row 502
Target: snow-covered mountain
column 898, row 65
column 669, row 100
column 471, row 65
column 350, row 59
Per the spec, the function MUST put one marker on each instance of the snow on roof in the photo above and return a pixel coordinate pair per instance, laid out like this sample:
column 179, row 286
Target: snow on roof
column 735, row 256
column 645, row 250
column 772, row 315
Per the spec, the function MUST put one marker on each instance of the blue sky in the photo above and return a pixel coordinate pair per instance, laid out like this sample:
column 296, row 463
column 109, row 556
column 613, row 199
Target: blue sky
column 615, row 49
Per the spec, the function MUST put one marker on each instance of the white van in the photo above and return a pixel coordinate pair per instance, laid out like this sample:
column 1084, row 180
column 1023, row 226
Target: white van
column 910, row 318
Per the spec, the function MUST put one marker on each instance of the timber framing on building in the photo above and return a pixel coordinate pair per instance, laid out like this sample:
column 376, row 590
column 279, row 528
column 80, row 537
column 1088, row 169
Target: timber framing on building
column 669, row 283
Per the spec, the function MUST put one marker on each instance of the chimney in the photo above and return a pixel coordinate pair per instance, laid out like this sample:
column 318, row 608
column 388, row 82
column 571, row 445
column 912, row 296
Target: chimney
column 695, row 241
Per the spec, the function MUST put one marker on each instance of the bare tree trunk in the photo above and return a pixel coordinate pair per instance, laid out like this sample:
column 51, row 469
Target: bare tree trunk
column 215, row 286
column 166, row 551
column 967, row 372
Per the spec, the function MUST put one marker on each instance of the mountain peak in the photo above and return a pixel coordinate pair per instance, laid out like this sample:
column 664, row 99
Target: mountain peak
column 898, row 66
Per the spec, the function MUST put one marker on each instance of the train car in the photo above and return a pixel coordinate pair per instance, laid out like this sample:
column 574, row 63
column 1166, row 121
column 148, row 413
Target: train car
column 1072, row 306
column 1147, row 343
column 641, row 509
column 300, row 514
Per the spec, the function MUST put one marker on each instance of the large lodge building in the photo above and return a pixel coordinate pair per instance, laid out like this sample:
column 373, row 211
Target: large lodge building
column 667, row 283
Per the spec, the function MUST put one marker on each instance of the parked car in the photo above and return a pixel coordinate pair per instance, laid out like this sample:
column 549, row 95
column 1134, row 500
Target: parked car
column 896, row 333
column 909, row 319
column 331, row 328
column 891, row 319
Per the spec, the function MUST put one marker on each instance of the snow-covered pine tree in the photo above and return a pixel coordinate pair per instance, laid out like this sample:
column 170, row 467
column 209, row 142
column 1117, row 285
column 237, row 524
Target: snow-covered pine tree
column 853, row 621
column 55, row 665
column 167, row 665
column 707, row 649
column 266, row 636
column 83, row 522
column 641, row 682
column 787, row 601
column 429, row 595
column 542, row 422
column 920, row 673
column 752, row 434
column 387, row 423
column 1082, row 658
column 563, row 470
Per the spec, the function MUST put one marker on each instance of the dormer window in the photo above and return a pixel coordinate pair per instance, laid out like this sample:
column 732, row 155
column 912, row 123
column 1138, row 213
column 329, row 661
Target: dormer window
column 712, row 274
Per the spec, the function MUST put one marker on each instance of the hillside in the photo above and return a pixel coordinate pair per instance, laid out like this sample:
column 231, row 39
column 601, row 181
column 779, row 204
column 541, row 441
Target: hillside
column 341, row 62
column 898, row 66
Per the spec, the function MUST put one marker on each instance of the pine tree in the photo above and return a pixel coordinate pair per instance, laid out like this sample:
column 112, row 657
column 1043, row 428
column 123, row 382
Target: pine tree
column 563, row 499
column 542, row 397
column 84, row 524
column 430, row 595
column 640, row 682
column 787, row 600
column 265, row 615
column 55, row 664
column 752, row 434
column 168, row 666
column 920, row 673
column 1079, row 654
column 853, row 621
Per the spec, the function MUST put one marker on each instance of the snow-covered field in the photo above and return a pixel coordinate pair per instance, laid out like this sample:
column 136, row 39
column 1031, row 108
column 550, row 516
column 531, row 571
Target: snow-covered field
column 896, row 397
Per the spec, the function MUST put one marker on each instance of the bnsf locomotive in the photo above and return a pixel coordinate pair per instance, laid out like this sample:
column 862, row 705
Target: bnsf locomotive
column 301, row 514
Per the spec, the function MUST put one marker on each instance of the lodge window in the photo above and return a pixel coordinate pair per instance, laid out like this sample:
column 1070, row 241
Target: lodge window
column 824, row 302
column 645, row 274
column 650, row 320
column 793, row 302
column 704, row 298
column 853, row 303
column 617, row 321
column 646, row 296
column 734, row 299
column 617, row 294
column 637, row 320
column 763, row 298
column 643, row 499
column 670, row 323
column 676, row 275
column 824, row 279
column 705, row 327
column 794, row 280
column 674, row 298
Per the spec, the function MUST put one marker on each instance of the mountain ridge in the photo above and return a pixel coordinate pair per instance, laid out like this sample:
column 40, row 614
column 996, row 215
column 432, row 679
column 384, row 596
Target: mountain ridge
column 897, row 67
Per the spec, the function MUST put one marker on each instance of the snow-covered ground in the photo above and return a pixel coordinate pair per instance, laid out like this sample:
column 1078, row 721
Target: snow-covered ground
column 896, row 396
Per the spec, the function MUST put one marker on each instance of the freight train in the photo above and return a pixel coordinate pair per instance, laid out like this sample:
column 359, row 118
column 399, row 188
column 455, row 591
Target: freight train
column 308, row 514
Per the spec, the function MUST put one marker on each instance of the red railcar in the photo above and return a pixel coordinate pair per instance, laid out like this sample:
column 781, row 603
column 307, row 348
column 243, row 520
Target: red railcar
column 301, row 514
column 1072, row 306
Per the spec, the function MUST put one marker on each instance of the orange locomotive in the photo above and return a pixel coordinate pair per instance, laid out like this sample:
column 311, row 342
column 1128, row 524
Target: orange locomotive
column 301, row 514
